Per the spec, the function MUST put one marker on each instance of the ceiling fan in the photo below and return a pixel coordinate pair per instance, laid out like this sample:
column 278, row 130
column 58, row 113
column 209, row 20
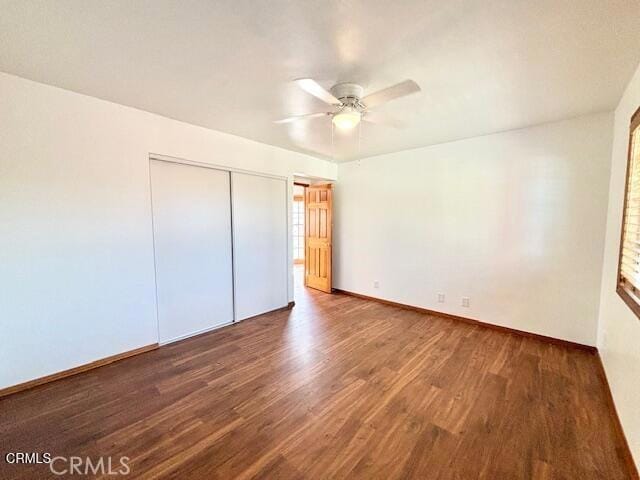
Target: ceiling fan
column 349, row 105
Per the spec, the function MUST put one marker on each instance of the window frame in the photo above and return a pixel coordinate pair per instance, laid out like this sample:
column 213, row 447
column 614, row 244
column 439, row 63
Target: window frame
column 629, row 294
column 302, row 246
column 298, row 221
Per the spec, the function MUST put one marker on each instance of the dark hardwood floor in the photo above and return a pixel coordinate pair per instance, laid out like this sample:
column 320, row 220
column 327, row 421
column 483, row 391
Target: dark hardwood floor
column 339, row 387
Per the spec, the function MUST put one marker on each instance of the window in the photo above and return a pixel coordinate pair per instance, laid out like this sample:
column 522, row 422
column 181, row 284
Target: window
column 629, row 263
column 298, row 224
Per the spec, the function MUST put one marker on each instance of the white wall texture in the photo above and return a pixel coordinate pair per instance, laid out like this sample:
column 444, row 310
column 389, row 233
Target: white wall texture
column 514, row 221
column 619, row 328
column 76, row 249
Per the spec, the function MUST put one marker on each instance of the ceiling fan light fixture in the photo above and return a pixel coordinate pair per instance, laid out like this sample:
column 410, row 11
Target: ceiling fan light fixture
column 347, row 118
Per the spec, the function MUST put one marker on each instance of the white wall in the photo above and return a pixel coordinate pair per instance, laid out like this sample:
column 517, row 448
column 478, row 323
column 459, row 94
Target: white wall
column 514, row 220
column 76, row 250
column 619, row 328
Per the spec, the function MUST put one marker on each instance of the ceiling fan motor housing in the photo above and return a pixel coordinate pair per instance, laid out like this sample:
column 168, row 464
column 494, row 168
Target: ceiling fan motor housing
column 348, row 93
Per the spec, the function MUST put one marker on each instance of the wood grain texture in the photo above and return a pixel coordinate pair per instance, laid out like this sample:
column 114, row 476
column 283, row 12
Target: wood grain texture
column 76, row 370
column 339, row 387
column 318, row 223
column 480, row 323
column 623, row 447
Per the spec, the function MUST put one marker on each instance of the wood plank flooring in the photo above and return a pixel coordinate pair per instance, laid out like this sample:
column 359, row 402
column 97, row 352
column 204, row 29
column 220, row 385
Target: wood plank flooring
column 339, row 387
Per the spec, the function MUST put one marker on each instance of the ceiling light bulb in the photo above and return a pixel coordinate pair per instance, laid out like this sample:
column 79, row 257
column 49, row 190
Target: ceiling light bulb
column 346, row 119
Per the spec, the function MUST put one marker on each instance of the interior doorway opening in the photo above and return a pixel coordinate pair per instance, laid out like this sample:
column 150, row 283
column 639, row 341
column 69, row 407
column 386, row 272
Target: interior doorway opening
column 312, row 235
column 298, row 224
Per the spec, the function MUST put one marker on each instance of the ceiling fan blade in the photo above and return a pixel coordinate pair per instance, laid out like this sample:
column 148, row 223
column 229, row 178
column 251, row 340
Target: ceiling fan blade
column 312, row 87
column 306, row 116
column 391, row 93
column 383, row 119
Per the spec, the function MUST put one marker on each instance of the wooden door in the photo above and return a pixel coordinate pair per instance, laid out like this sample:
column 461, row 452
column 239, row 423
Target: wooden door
column 318, row 227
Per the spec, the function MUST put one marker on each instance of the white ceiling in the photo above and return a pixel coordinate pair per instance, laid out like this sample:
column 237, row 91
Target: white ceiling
column 484, row 66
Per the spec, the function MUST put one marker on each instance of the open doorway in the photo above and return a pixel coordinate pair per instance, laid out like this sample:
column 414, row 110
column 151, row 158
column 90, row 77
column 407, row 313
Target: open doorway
column 298, row 235
column 312, row 234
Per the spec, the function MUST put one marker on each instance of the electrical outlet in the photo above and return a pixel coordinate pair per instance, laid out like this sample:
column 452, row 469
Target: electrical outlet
column 376, row 284
column 465, row 301
column 441, row 298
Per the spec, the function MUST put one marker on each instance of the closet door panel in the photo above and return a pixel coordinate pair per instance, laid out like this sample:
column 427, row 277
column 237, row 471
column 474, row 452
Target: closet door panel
column 259, row 243
column 193, row 248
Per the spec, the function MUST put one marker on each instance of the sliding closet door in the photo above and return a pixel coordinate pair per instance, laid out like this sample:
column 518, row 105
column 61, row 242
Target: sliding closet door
column 192, row 238
column 259, row 243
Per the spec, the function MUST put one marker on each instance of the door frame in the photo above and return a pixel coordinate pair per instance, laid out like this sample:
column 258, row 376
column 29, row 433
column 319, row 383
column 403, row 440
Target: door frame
column 166, row 158
column 330, row 185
